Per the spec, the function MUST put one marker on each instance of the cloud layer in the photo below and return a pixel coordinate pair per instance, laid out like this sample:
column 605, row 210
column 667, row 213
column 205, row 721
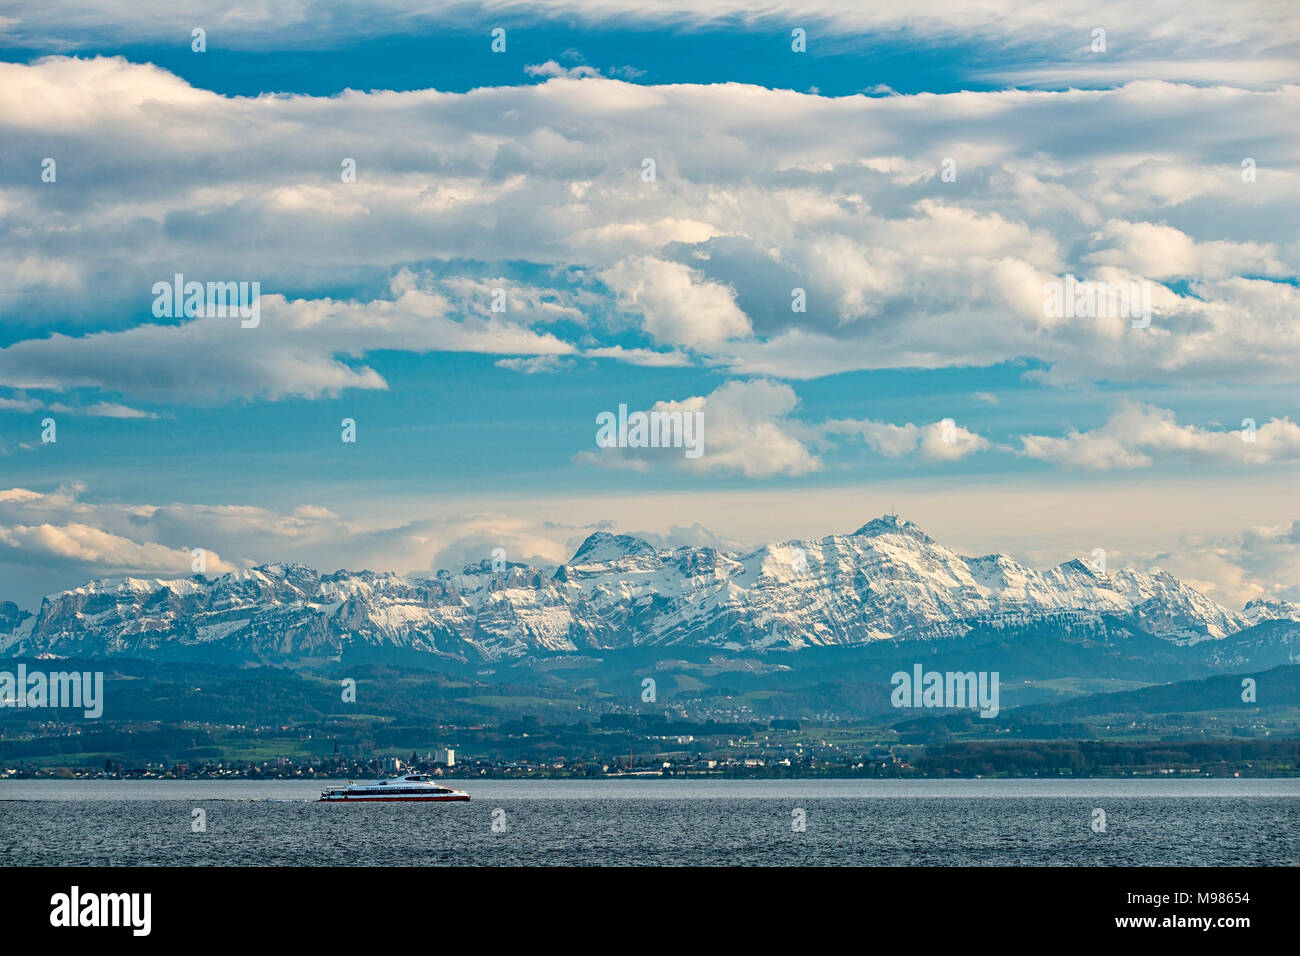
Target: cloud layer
column 784, row 235
column 1042, row 42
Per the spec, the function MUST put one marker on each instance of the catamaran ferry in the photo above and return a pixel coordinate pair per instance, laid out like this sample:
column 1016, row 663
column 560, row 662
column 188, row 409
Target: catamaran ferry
column 417, row 786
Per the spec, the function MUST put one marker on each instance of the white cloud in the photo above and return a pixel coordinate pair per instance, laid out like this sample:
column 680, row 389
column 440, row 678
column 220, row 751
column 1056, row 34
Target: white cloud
column 1139, row 436
column 59, row 539
column 472, row 539
column 56, row 540
column 646, row 357
column 535, row 365
column 747, row 430
column 943, row 440
column 750, row 429
column 1257, row 564
column 679, row 308
column 1162, row 252
column 552, row 69
column 89, row 546
column 838, row 196
column 22, row 403
column 295, row 350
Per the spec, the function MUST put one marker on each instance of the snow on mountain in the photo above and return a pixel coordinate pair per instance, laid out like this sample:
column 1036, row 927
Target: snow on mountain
column 886, row 581
column 1261, row 610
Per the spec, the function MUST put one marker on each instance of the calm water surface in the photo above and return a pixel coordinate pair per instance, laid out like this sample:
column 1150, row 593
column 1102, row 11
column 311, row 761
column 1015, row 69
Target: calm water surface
column 1200, row 822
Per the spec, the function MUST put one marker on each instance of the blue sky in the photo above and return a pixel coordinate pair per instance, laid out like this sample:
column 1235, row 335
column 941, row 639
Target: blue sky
column 451, row 58
column 923, row 375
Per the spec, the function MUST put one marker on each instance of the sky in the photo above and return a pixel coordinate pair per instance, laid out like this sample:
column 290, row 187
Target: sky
column 834, row 230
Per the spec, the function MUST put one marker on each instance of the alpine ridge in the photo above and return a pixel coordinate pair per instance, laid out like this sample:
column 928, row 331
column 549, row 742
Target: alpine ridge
column 887, row 581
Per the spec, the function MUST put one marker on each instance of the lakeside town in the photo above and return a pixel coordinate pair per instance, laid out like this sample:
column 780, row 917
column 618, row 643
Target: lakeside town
column 264, row 724
column 765, row 756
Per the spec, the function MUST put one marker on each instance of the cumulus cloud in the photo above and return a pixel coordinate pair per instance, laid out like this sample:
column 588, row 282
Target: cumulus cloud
column 1163, row 252
column 1139, row 436
column 473, row 539
column 92, row 547
column 746, row 428
column 1258, row 564
column 63, row 530
column 943, row 440
column 750, row 429
column 694, row 536
column 679, row 307
column 840, row 197
column 60, row 539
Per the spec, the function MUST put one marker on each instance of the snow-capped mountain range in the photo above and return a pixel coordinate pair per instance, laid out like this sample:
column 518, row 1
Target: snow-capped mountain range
column 887, row 581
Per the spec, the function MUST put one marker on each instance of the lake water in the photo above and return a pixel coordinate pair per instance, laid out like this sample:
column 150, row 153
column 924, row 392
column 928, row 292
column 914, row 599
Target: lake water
column 1201, row 822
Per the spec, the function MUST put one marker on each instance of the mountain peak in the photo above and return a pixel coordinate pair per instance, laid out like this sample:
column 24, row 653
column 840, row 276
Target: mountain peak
column 892, row 524
column 1077, row 565
column 603, row 546
column 1271, row 609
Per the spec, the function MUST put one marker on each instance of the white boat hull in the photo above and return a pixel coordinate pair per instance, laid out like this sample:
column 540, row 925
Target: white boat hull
column 416, row 788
